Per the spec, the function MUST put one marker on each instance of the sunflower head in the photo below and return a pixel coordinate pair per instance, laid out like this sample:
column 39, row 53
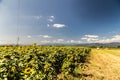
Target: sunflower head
column 46, row 66
column 13, row 68
column 28, row 70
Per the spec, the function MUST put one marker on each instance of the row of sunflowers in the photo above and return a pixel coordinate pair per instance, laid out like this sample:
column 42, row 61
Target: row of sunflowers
column 40, row 62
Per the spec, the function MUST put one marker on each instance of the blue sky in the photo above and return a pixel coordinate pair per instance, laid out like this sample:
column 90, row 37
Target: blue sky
column 59, row 21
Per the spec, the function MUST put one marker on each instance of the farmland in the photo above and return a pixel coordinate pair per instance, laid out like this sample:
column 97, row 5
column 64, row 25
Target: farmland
column 34, row 62
column 104, row 64
column 42, row 62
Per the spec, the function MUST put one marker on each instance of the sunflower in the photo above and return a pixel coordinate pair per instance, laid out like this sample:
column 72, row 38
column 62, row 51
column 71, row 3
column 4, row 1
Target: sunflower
column 28, row 70
column 13, row 68
column 46, row 66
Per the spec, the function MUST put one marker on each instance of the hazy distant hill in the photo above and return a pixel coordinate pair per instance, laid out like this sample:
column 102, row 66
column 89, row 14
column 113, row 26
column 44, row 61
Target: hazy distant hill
column 114, row 44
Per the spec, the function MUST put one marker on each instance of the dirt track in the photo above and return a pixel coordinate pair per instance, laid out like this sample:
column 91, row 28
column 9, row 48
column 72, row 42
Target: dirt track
column 103, row 66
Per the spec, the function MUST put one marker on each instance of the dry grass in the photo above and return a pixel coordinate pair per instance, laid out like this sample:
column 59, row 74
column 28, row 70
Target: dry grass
column 103, row 66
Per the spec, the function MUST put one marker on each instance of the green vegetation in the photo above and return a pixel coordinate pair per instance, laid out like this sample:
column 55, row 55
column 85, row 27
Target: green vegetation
column 41, row 62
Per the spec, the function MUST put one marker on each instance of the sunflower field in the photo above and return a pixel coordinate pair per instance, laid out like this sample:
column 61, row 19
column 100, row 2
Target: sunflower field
column 41, row 62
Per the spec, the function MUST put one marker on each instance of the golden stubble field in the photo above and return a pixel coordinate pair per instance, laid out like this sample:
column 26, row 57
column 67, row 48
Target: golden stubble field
column 104, row 64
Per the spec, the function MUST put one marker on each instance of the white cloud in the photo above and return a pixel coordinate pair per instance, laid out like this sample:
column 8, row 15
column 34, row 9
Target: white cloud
column 58, row 25
column 45, row 41
column 90, row 38
column 48, row 25
column 84, row 38
column 115, row 38
column 59, row 41
column 29, row 36
column 104, row 41
column 45, row 36
column 37, row 17
column 96, row 39
column 74, row 41
column 51, row 18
